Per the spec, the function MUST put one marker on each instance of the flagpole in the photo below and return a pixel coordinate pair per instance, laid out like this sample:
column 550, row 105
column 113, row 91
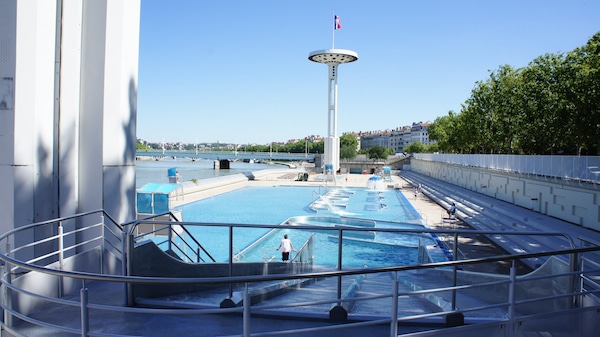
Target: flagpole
column 333, row 32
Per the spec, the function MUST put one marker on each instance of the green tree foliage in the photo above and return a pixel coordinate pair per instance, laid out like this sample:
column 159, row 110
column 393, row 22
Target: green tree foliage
column 415, row 147
column 348, row 146
column 318, row 147
column 433, row 148
column 443, row 131
column 550, row 106
column 377, row 152
column 347, row 153
column 140, row 146
column 301, row 146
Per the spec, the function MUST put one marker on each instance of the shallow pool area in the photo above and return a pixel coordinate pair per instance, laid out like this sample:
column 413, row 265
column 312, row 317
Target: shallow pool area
column 364, row 247
column 274, row 205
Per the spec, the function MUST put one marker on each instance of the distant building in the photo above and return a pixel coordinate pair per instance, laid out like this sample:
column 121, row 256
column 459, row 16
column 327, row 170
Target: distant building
column 396, row 139
column 400, row 137
column 368, row 140
column 420, row 133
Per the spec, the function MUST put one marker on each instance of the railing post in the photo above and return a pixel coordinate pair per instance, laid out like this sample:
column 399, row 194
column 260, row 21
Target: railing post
column 576, row 265
column 454, row 270
column 246, row 314
column 61, row 256
column 394, row 323
column 5, row 292
column 170, row 238
column 339, row 263
column 230, row 259
column 61, row 245
column 85, row 318
column 102, row 246
column 511, row 299
column 124, row 266
column 129, row 261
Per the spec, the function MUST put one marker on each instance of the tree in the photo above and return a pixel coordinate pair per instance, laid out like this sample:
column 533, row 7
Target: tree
column 377, row 152
column 550, row 106
column 317, row 147
column 433, row 148
column 348, row 145
column 140, row 146
column 416, row 147
column 443, row 131
column 583, row 92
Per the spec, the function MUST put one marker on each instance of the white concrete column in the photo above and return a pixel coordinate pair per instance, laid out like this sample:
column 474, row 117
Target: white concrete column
column 108, row 106
column 68, row 109
column 27, row 41
column 332, row 143
column 68, row 91
column 8, row 37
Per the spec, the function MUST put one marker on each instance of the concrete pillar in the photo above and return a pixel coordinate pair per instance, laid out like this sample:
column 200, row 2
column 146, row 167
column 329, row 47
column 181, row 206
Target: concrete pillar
column 68, row 91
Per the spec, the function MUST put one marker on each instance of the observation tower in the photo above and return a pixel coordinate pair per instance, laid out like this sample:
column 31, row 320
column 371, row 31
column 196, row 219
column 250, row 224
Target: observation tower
column 332, row 58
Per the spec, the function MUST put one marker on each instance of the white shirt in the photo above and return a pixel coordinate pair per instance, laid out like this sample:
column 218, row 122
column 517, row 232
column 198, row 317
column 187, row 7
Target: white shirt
column 286, row 245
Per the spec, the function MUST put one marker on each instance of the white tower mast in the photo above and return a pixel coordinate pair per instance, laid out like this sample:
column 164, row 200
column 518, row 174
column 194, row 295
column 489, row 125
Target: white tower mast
column 332, row 58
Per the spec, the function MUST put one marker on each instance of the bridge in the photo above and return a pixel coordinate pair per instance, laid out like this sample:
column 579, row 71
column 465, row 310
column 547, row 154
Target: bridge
column 230, row 155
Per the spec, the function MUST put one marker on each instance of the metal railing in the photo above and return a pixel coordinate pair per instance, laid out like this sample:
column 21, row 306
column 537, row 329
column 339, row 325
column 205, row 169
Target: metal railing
column 515, row 302
column 306, row 253
column 172, row 234
column 577, row 168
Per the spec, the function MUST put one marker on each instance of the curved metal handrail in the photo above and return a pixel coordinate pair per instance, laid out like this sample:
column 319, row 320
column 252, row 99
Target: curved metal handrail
column 47, row 222
column 132, row 225
column 340, row 228
column 87, row 276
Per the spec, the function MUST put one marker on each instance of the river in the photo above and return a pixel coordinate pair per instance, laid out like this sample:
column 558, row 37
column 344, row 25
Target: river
column 152, row 171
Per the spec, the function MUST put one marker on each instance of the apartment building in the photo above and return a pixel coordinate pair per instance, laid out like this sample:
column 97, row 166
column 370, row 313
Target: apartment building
column 398, row 138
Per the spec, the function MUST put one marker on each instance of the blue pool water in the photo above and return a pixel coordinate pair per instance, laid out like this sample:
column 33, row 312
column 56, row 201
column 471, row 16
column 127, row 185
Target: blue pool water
column 274, row 205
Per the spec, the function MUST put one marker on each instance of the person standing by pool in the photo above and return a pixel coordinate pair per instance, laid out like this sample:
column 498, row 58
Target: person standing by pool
column 286, row 247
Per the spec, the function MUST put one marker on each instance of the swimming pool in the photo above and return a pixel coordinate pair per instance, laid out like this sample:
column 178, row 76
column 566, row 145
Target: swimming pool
column 274, row 205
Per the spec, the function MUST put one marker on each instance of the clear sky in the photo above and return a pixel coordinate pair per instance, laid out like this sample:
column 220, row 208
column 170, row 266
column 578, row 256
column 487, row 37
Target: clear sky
column 237, row 71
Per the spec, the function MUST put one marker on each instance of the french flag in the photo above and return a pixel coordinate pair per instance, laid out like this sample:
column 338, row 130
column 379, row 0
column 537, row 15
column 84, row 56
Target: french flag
column 336, row 22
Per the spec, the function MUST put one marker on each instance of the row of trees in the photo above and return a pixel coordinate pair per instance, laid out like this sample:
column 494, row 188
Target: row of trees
column 291, row 147
column 348, row 148
column 551, row 106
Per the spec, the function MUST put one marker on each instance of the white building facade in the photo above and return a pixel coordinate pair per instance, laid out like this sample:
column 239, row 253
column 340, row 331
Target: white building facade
column 419, row 132
column 405, row 135
column 68, row 92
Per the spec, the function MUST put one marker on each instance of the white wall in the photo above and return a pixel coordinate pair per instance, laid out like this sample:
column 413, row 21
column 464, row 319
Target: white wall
column 67, row 108
column 568, row 202
column 8, row 28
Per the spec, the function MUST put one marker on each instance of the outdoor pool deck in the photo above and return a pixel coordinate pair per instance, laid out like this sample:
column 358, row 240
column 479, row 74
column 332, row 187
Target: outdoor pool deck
column 212, row 325
column 431, row 203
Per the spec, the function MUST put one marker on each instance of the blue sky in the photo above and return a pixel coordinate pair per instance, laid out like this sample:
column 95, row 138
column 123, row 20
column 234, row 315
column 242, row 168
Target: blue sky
column 237, row 71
